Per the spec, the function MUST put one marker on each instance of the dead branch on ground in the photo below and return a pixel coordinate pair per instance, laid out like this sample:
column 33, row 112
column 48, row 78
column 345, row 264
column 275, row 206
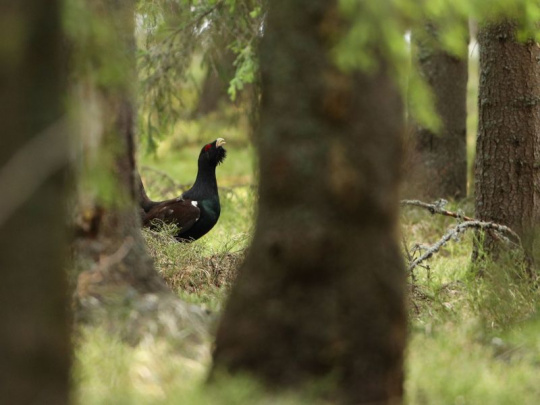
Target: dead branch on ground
column 500, row 231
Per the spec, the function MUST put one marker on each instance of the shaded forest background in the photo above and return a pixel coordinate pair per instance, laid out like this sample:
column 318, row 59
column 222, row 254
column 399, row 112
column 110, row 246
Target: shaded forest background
column 315, row 285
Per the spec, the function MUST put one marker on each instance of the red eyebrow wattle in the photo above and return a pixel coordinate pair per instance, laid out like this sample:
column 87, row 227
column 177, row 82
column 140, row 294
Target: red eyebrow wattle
column 207, row 146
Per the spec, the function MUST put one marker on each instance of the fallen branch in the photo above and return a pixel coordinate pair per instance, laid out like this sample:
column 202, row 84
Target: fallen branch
column 460, row 228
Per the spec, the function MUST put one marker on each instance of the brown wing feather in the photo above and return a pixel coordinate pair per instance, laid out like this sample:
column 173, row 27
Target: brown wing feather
column 180, row 212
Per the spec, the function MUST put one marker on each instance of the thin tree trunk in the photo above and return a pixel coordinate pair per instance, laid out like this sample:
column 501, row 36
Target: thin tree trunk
column 439, row 167
column 35, row 347
column 321, row 294
column 508, row 147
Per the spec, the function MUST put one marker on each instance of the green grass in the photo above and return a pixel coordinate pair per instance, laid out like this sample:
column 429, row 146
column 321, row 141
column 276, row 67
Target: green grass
column 454, row 363
column 473, row 340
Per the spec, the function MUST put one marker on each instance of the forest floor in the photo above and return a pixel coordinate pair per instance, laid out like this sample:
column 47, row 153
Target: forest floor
column 472, row 340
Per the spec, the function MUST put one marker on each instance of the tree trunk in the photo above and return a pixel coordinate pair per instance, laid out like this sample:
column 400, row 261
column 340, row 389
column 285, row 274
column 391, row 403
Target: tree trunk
column 439, row 165
column 35, row 347
column 109, row 233
column 118, row 284
column 216, row 82
column 508, row 147
column 321, row 294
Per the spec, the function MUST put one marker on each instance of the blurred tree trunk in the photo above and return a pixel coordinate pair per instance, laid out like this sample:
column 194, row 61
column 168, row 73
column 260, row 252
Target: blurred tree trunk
column 507, row 181
column 35, row 347
column 321, row 293
column 109, row 232
column 118, row 284
column 439, row 165
column 216, row 82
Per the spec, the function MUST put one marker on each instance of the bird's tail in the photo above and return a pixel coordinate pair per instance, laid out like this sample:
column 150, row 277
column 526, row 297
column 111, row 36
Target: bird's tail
column 144, row 201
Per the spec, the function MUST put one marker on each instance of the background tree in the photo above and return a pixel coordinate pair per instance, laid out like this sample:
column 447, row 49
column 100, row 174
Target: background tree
column 321, row 293
column 506, row 172
column 35, row 347
column 439, row 163
column 216, row 82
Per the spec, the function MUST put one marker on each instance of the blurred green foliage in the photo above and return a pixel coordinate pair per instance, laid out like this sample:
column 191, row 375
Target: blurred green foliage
column 101, row 74
column 179, row 40
column 97, row 45
column 247, row 68
column 174, row 36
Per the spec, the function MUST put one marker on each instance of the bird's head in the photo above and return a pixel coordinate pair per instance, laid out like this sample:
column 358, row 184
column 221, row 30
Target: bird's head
column 214, row 152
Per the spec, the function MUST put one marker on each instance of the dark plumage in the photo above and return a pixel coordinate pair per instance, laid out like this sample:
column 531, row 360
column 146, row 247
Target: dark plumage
column 198, row 209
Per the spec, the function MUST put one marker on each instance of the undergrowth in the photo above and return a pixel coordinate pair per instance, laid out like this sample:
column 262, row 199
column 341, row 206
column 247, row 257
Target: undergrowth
column 470, row 340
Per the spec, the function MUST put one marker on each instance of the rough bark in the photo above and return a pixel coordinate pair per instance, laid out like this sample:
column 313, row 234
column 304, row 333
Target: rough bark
column 320, row 295
column 508, row 146
column 35, row 348
column 439, row 164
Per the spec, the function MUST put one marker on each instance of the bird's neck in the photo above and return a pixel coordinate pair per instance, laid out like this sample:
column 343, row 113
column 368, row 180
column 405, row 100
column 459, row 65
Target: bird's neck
column 205, row 184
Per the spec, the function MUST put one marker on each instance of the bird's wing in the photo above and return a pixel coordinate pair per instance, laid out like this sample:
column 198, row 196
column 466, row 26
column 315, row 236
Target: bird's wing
column 181, row 212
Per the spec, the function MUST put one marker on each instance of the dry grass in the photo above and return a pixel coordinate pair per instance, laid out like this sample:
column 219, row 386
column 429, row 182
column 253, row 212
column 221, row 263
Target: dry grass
column 194, row 271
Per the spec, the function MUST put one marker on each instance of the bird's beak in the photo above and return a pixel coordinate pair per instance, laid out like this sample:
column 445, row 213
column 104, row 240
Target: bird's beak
column 220, row 142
